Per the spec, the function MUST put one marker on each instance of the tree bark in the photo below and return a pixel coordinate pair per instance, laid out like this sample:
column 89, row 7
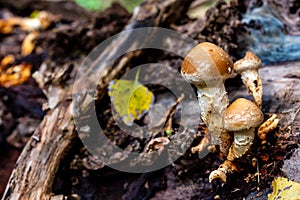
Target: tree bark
column 34, row 173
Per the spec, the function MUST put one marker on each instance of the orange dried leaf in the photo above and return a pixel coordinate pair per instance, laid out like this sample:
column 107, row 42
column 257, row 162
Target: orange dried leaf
column 7, row 25
column 28, row 44
column 42, row 20
column 15, row 75
column 7, row 60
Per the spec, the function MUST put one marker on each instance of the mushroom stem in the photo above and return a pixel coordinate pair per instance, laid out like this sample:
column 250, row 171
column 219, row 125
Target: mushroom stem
column 242, row 141
column 253, row 83
column 213, row 102
column 221, row 173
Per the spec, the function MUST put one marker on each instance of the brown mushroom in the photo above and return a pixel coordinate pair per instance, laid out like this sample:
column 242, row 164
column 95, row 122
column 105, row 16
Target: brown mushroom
column 242, row 117
column 248, row 67
column 207, row 66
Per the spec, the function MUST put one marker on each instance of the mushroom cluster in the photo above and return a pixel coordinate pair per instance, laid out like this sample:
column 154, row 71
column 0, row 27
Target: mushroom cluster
column 231, row 127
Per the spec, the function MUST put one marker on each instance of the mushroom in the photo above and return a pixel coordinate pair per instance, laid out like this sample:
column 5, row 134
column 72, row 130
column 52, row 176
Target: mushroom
column 207, row 66
column 248, row 67
column 242, row 117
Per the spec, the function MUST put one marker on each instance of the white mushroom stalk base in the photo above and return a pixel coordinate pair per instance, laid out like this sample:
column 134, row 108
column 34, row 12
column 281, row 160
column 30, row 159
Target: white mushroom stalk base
column 241, row 144
column 253, row 82
column 213, row 102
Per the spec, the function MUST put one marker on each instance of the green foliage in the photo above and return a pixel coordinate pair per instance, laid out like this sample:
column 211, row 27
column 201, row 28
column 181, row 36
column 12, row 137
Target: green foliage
column 34, row 14
column 103, row 4
column 130, row 4
column 130, row 99
column 91, row 4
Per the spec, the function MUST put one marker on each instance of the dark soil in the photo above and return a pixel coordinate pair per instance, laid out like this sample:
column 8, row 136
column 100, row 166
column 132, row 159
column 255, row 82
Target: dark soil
column 71, row 38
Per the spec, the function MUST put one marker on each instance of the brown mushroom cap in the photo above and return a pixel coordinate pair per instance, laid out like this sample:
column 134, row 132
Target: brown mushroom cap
column 242, row 114
column 249, row 62
column 206, row 62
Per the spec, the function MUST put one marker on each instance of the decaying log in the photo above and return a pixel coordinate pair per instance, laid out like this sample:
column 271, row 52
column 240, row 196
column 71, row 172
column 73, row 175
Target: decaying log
column 34, row 173
column 35, row 170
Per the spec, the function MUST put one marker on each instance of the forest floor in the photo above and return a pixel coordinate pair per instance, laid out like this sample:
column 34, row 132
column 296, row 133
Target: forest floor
column 66, row 42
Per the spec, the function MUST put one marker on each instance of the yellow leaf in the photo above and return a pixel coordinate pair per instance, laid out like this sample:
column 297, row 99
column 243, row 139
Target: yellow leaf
column 284, row 189
column 130, row 99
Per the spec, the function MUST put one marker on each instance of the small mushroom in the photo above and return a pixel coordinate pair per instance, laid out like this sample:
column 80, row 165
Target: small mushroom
column 248, row 67
column 242, row 117
column 207, row 66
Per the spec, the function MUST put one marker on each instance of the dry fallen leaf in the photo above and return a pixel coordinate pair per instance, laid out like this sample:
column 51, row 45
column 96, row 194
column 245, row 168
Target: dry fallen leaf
column 28, row 44
column 15, row 75
column 7, row 25
column 42, row 20
column 157, row 144
column 7, row 60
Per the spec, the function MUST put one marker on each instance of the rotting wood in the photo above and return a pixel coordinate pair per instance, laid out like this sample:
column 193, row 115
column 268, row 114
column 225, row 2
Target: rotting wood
column 35, row 169
column 34, row 173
